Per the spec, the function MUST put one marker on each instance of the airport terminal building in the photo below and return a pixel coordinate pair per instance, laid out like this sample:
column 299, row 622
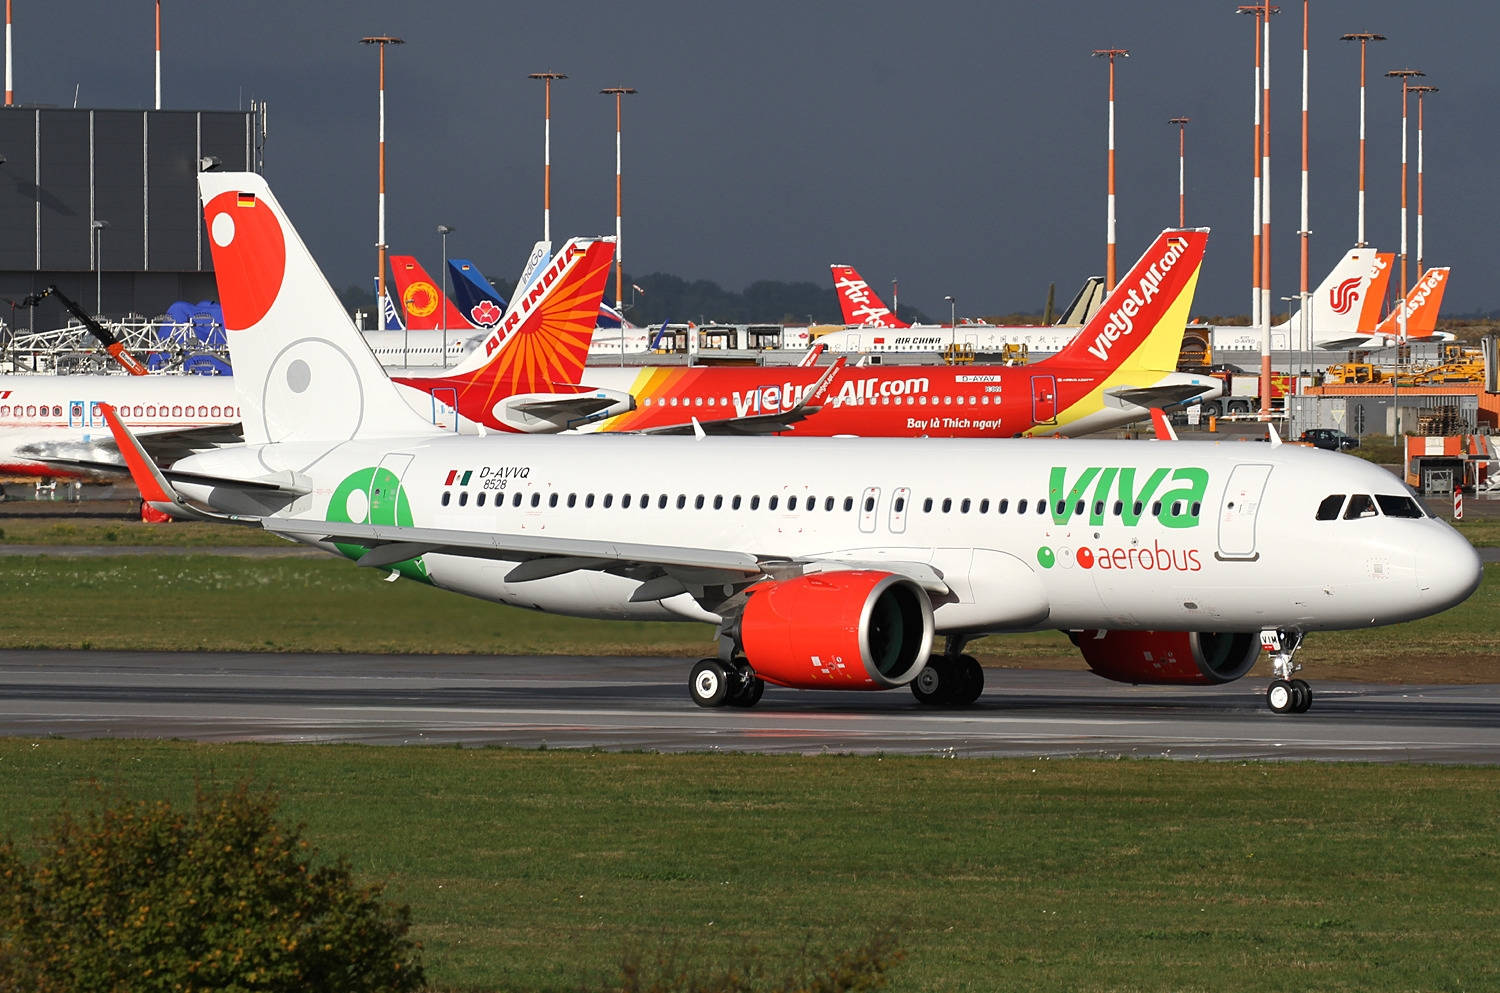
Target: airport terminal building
column 104, row 204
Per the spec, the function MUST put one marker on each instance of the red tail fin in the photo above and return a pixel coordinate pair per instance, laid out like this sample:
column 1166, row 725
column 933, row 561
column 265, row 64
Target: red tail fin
column 860, row 304
column 1374, row 302
column 421, row 298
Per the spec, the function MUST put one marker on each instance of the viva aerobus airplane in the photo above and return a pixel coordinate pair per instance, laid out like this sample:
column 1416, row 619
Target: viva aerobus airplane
column 824, row 563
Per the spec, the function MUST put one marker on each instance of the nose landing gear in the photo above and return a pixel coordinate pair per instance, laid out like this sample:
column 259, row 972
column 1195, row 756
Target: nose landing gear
column 1285, row 695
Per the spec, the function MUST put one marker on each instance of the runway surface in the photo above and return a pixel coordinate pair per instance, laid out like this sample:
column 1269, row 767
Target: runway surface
column 629, row 703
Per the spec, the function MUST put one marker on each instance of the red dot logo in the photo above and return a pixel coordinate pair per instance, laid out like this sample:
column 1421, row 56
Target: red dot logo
column 1085, row 558
column 249, row 254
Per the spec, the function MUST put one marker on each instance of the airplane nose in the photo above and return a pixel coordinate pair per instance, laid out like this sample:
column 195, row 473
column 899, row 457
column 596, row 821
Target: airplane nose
column 1448, row 570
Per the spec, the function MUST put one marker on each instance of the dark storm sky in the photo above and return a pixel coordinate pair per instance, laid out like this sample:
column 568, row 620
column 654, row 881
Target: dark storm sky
column 957, row 146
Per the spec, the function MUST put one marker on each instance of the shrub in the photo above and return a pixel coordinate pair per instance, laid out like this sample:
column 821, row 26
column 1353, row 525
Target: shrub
column 141, row 897
column 857, row 970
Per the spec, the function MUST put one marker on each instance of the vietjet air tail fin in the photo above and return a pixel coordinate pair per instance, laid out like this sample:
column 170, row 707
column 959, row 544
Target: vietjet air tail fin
column 1374, row 301
column 474, row 296
column 1421, row 305
column 1335, row 307
column 543, row 343
column 1141, row 323
column 302, row 372
column 860, row 304
column 425, row 304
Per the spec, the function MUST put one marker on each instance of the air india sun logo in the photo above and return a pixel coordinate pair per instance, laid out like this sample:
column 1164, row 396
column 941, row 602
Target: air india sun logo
column 1342, row 296
column 421, row 298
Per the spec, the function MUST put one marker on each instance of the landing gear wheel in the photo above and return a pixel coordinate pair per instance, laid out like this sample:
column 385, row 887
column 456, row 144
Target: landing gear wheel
column 970, row 682
column 749, row 692
column 1281, row 697
column 931, row 684
column 709, row 684
column 1302, row 696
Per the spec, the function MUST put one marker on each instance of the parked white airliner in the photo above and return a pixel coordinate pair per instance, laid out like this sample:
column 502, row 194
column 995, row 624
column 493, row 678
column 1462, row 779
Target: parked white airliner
column 828, row 563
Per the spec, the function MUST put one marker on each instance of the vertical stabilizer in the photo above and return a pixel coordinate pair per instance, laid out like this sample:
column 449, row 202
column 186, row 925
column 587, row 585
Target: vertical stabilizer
column 1374, row 301
column 1421, row 304
column 424, row 302
column 1334, row 308
column 859, row 303
column 302, row 371
column 474, row 295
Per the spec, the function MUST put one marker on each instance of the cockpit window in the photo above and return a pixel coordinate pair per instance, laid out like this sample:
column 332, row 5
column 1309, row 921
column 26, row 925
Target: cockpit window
column 1360, row 505
column 1399, row 506
column 1328, row 510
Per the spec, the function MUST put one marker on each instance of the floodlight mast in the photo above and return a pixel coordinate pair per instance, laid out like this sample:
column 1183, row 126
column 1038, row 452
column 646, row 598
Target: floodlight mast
column 1421, row 91
column 1182, row 123
column 1364, row 38
column 618, row 92
column 1109, row 249
column 381, row 41
column 547, row 78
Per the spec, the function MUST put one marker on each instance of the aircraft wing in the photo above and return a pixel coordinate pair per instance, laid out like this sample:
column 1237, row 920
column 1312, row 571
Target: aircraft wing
column 572, row 407
column 771, row 423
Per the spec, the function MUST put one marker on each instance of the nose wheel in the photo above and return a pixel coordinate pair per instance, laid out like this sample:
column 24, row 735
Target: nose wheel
column 1285, row 695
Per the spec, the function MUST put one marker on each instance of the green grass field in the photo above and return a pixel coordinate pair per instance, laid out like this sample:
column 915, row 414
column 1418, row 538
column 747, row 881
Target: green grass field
column 540, row 870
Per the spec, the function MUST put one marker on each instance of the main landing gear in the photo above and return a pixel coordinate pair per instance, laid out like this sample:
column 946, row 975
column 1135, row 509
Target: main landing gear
column 1285, row 695
column 952, row 678
column 716, row 684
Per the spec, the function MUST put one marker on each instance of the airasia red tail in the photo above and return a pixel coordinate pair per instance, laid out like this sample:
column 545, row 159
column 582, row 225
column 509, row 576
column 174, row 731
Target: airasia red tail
column 421, row 298
column 860, row 304
column 1421, row 305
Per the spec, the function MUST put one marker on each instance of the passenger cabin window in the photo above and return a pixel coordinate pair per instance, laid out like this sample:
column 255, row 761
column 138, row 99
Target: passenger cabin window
column 1360, row 505
column 848, row 503
column 1021, row 506
column 463, row 498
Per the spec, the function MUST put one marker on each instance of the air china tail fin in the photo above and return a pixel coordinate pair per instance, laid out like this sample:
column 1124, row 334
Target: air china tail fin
column 1141, row 323
column 473, row 295
column 1421, row 305
column 1374, row 301
column 1334, row 308
column 423, row 301
column 543, row 343
column 860, row 304
column 302, row 372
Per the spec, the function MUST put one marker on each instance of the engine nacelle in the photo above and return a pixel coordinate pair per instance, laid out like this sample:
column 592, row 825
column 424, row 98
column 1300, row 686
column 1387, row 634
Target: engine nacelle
column 546, row 413
column 1169, row 657
column 854, row 630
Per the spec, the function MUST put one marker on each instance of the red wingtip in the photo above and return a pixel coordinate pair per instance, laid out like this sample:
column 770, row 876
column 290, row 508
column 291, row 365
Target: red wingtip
column 142, row 472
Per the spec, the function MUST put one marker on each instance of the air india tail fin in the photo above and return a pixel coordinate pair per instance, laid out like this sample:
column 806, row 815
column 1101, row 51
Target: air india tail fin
column 302, row 372
column 1374, row 301
column 424, row 303
column 1141, row 322
column 473, row 295
column 1421, row 305
column 860, row 304
column 543, row 343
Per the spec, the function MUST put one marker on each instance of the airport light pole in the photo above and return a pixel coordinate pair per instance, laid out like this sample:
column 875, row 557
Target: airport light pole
column 10, row 92
column 382, row 41
column 158, row 53
column 97, row 228
column 1303, row 232
column 1405, row 75
column 896, row 299
column 1259, row 12
column 1364, row 38
column 444, row 230
column 952, row 320
column 618, row 92
column 1265, row 212
column 547, row 78
column 1420, row 90
column 1109, row 245
column 1182, row 123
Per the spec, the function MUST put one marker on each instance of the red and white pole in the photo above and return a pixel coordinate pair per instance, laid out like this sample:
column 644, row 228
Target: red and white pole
column 1405, row 76
column 1364, row 38
column 618, row 92
column 158, row 54
column 1109, row 234
column 1255, row 182
column 1182, row 123
column 1304, row 232
column 381, row 41
column 547, row 78
column 1265, row 217
column 1420, row 91
column 10, row 91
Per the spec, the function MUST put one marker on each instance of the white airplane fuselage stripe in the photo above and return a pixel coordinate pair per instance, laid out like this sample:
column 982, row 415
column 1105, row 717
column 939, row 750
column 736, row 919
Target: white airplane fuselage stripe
column 1093, row 565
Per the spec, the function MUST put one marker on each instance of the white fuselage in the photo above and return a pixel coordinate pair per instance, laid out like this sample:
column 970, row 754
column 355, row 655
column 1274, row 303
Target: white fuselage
column 1225, row 538
column 982, row 338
